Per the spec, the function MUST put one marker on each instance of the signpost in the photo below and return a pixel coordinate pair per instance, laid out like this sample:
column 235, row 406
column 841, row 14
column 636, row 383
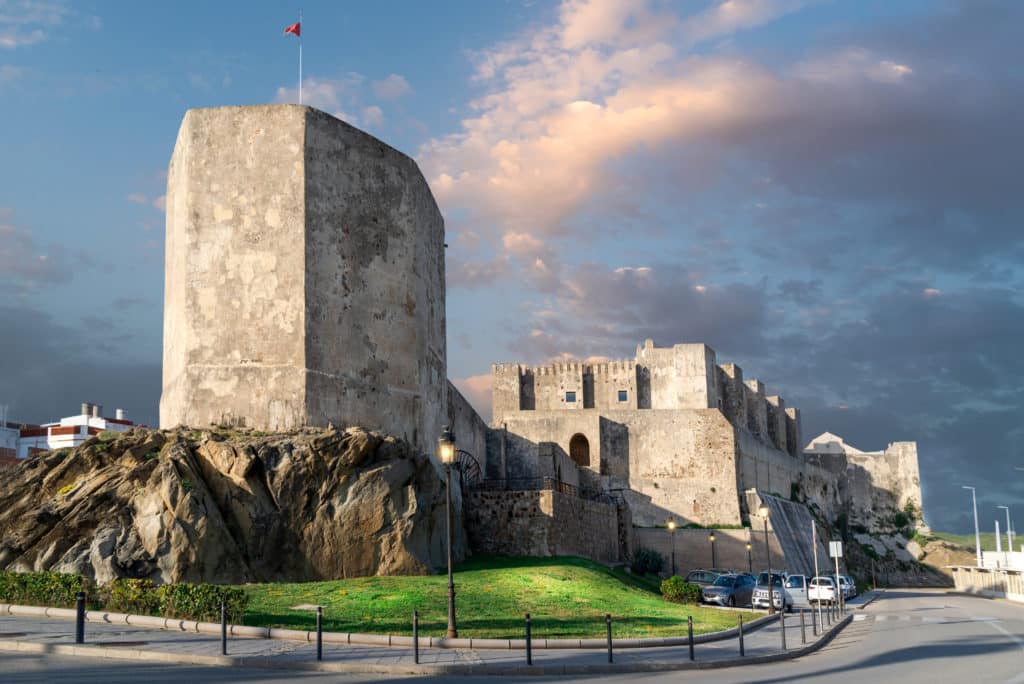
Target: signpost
column 814, row 544
column 835, row 550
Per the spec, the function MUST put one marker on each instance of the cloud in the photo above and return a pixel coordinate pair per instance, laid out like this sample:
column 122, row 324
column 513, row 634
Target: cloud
column 24, row 263
column 10, row 74
column 337, row 96
column 392, row 87
column 477, row 390
column 137, row 198
column 22, row 22
column 373, row 116
column 49, row 368
column 729, row 16
column 160, row 203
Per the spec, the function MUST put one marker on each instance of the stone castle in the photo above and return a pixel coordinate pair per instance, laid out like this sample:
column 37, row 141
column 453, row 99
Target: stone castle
column 305, row 286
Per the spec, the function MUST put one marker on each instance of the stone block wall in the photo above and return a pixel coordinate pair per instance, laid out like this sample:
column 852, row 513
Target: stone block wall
column 542, row 523
column 693, row 549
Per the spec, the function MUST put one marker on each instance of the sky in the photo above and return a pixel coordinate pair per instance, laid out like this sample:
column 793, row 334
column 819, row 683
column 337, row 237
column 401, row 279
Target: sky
column 826, row 193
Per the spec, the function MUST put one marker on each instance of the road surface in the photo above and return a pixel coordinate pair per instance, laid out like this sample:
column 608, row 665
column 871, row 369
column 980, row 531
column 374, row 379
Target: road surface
column 906, row 636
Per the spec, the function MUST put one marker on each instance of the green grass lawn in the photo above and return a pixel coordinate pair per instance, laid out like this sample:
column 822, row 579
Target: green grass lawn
column 566, row 597
column 988, row 539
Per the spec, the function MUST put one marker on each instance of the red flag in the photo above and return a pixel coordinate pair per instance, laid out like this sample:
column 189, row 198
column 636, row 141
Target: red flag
column 295, row 28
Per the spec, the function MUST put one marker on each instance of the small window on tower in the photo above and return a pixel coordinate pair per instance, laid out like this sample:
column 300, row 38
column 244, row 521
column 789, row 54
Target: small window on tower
column 623, row 395
column 570, row 397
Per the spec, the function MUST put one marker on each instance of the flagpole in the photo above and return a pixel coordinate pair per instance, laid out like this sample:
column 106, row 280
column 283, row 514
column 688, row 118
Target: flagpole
column 300, row 56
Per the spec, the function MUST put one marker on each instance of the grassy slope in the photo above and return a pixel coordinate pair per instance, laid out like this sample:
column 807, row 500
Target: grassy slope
column 566, row 597
column 988, row 539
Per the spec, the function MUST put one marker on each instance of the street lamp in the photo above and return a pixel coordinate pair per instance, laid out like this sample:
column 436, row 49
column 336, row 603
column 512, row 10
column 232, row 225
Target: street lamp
column 1009, row 532
column 763, row 513
column 750, row 560
column 671, row 525
column 446, row 454
column 977, row 532
column 711, row 538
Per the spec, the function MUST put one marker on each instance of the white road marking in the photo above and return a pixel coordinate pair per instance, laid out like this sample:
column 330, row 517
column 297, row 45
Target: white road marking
column 860, row 617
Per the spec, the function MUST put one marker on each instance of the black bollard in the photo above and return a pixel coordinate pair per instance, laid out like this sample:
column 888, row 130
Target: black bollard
column 689, row 629
column 803, row 628
column 80, row 617
column 739, row 626
column 416, row 637
column 223, row 629
column 608, row 621
column 814, row 621
column 529, row 644
column 319, row 632
column 782, row 626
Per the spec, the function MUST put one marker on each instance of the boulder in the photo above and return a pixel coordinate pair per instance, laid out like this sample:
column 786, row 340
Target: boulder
column 229, row 506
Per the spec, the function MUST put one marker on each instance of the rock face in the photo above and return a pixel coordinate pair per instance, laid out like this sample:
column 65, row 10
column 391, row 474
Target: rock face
column 218, row 506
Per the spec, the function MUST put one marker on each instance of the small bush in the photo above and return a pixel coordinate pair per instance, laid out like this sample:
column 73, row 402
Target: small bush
column 202, row 601
column 678, row 590
column 52, row 589
column 107, row 436
column 63, row 491
column 134, row 596
column 647, row 562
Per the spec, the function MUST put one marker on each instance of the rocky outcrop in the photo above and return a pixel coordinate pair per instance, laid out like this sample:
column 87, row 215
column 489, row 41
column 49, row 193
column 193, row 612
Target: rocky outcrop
column 219, row 506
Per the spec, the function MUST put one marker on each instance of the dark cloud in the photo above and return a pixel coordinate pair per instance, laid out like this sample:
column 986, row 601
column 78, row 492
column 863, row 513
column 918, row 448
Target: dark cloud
column 47, row 369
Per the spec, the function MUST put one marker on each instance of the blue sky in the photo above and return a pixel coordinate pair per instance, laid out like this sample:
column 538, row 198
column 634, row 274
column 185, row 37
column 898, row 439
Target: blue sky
column 827, row 193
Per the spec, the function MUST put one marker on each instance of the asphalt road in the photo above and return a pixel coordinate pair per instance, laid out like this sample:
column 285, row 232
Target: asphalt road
column 909, row 637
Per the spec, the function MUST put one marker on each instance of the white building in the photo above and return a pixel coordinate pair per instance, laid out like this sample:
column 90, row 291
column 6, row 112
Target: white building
column 68, row 432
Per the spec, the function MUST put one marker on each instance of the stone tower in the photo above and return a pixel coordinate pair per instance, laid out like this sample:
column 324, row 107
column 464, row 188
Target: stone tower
column 304, row 278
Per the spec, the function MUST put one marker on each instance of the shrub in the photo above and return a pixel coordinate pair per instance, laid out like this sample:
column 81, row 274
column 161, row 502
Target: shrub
column 647, row 562
column 107, row 436
column 52, row 589
column 678, row 590
column 202, row 601
column 134, row 596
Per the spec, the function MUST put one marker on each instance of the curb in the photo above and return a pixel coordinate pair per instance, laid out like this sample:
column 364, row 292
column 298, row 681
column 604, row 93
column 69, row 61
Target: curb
column 875, row 594
column 177, row 625
column 270, row 663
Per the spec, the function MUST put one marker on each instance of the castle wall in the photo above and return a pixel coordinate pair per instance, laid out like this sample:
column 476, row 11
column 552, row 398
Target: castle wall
column 538, row 445
column 777, row 422
column 757, row 408
column 506, row 388
column 542, row 523
column 734, row 401
column 608, row 379
column 794, row 434
column 469, row 428
column 304, row 280
column 693, row 550
column 681, row 377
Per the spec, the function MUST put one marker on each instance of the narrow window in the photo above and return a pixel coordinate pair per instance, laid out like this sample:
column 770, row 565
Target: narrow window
column 623, row 395
column 570, row 397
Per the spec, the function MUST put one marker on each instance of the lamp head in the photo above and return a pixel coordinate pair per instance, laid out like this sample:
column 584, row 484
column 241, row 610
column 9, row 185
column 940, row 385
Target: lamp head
column 671, row 525
column 763, row 512
column 748, row 546
column 446, row 446
column 711, row 537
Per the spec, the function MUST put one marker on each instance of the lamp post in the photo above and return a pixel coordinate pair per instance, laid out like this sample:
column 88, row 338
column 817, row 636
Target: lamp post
column 671, row 525
column 977, row 532
column 711, row 538
column 446, row 454
column 1009, row 533
column 763, row 513
column 750, row 560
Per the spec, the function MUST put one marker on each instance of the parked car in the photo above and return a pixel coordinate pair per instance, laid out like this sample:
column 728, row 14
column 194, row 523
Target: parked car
column 849, row 585
column 730, row 590
column 778, row 592
column 702, row 578
column 796, row 589
column 821, row 590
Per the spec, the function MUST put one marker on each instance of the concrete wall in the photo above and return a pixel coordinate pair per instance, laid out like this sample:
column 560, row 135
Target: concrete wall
column 693, row 550
column 304, row 278
column 1007, row 584
column 542, row 523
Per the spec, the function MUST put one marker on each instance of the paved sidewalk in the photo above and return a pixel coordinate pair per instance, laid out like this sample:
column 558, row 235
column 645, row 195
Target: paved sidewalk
column 54, row 635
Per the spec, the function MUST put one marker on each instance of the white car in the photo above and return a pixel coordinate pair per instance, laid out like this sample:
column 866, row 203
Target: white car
column 849, row 586
column 821, row 590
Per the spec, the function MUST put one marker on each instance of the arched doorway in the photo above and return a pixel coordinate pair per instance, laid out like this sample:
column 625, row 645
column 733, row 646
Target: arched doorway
column 579, row 450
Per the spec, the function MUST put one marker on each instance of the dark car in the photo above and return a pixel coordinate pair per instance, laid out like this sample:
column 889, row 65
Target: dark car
column 730, row 590
column 702, row 578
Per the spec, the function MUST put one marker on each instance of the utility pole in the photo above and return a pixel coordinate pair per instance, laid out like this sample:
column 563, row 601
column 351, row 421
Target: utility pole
column 977, row 532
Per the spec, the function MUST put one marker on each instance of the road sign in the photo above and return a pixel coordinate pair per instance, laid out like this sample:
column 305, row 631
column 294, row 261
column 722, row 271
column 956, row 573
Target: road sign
column 835, row 549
